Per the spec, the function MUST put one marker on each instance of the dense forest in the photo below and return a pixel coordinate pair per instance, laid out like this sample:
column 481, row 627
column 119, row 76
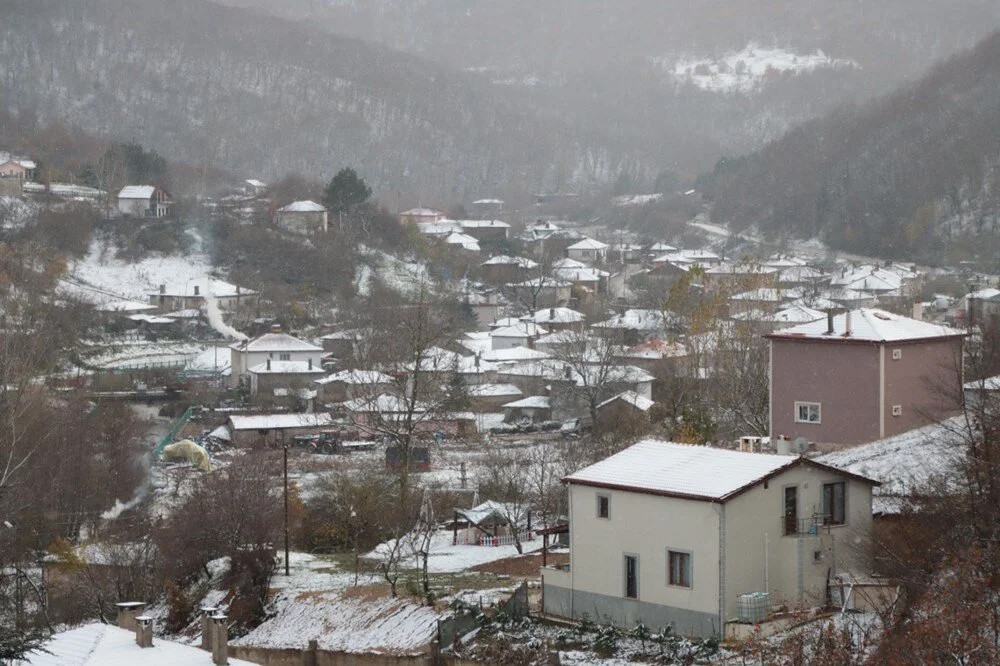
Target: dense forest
column 908, row 176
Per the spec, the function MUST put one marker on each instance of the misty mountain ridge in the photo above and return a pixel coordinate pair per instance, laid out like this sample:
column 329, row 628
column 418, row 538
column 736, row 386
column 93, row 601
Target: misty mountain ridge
column 909, row 175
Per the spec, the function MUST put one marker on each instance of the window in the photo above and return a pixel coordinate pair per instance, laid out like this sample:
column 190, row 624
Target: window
column 807, row 412
column 897, row 410
column 284, row 357
column 631, row 577
column 834, row 503
column 603, row 506
column 791, row 510
column 897, row 354
column 679, row 568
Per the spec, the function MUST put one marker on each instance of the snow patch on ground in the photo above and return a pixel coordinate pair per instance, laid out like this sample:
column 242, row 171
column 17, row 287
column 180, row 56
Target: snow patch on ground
column 746, row 70
column 101, row 270
column 447, row 558
column 401, row 276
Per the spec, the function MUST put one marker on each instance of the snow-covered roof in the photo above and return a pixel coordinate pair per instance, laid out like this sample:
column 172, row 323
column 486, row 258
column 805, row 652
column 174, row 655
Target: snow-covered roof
column 286, row 368
column 541, row 283
column 987, row 384
column 797, row 314
column 212, row 361
column 640, row 402
column 505, row 260
column 636, row 319
column 281, row 421
column 122, row 305
column 518, row 330
column 305, row 206
column 655, row 350
column 764, row 294
column 513, row 354
column 688, row 257
column 566, row 262
column 422, row 212
column 275, row 342
column 385, row 403
column 483, row 224
column 493, row 390
column 137, row 192
column 360, row 377
column 557, row 316
column 531, row 402
column 662, row 247
column 487, row 202
column 253, row 182
column 467, row 242
column 588, row 244
column 580, row 274
column 740, row 268
column 98, row 644
column 636, row 199
column 905, row 463
column 801, row 274
column 870, row 325
column 984, row 294
column 683, row 470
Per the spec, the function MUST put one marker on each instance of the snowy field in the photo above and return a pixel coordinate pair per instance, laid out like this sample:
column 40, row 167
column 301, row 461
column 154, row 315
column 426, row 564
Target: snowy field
column 745, row 70
column 101, row 274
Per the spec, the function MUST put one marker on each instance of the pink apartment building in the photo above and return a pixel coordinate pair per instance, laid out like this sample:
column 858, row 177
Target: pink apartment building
column 862, row 375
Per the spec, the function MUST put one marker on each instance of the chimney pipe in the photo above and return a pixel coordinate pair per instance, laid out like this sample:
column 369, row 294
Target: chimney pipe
column 206, row 626
column 918, row 310
column 276, row 328
column 269, row 365
column 310, row 363
column 847, row 324
column 829, row 322
column 163, row 288
column 197, row 290
column 127, row 612
column 144, row 631
column 552, row 314
column 220, row 639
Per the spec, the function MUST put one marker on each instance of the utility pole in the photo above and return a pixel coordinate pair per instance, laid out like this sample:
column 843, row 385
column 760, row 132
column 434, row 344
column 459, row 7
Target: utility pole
column 286, row 509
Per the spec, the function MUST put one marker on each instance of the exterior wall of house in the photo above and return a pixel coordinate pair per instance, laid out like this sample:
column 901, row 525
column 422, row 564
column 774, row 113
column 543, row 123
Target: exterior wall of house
column 303, row 222
column 925, row 381
column 266, row 382
column 586, row 255
column 645, row 526
column 134, row 207
column 14, row 170
column 754, row 523
column 842, row 377
column 242, row 361
column 508, row 343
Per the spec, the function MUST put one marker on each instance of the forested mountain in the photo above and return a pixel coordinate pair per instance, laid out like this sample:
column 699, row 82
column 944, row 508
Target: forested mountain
column 647, row 72
column 225, row 87
column 908, row 175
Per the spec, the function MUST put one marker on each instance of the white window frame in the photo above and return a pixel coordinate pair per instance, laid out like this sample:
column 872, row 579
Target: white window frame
column 286, row 356
column 897, row 354
column 819, row 412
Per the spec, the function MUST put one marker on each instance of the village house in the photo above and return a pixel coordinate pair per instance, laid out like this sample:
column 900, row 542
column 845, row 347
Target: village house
column 193, row 294
column 351, row 384
column 623, row 408
column 518, row 334
column 558, row 319
column 679, row 535
column 485, row 230
column 144, row 201
column 275, row 429
column 274, row 346
column 534, row 409
column 504, row 268
column 254, row 188
column 420, row 214
column 303, row 217
column 541, row 292
column 270, row 376
column 18, row 168
column 462, row 241
column 862, row 375
column 492, row 397
column 588, row 250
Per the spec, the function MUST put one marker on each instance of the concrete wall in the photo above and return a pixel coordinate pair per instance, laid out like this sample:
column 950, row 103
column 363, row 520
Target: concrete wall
column 925, row 381
column 645, row 526
column 843, row 377
column 754, row 523
column 274, row 657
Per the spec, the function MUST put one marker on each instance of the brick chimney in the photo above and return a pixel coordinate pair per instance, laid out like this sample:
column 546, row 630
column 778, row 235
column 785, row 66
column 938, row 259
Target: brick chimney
column 829, row 322
column 206, row 626
column 144, row 631
column 220, row 639
column 276, row 328
column 127, row 612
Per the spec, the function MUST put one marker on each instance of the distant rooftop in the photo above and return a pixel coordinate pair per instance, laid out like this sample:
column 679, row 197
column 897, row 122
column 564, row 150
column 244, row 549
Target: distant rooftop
column 870, row 325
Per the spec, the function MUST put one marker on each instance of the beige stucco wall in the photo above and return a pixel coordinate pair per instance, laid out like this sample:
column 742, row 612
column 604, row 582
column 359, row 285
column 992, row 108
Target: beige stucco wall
column 758, row 512
column 646, row 526
column 242, row 361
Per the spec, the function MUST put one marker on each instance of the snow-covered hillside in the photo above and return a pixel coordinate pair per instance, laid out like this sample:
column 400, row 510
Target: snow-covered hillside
column 745, row 70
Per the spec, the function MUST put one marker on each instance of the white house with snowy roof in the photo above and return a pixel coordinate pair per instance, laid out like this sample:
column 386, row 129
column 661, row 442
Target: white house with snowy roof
column 587, row 250
column 193, row 294
column 303, row 217
column 144, row 201
column 273, row 346
column 676, row 534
